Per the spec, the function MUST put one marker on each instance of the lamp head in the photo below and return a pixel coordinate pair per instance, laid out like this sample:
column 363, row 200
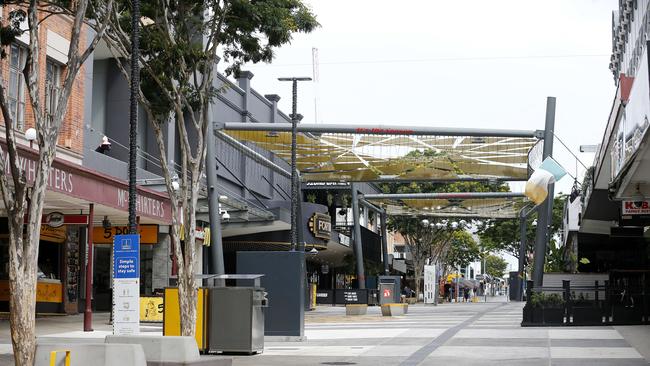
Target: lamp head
column 30, row 134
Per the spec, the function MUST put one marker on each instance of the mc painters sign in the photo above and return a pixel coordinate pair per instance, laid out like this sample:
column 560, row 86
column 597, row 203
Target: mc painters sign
column 126, row 284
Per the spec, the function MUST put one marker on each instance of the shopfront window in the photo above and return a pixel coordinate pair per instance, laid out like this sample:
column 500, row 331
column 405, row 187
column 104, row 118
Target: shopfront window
column 49, row 260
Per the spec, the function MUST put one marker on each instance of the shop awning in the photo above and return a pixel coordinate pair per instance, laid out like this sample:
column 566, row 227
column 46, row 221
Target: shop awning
column 383, row 154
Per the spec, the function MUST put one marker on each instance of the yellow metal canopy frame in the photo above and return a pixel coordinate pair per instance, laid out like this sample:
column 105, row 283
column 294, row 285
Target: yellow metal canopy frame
column 484, row 208
column 367, row 156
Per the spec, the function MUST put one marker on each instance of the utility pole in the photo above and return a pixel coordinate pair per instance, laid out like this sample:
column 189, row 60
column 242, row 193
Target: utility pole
column 295, row 190
column 546, row 208
column 133, row 117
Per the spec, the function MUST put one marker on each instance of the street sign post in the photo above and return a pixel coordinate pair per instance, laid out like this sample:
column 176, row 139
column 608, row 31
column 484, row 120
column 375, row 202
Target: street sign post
column 126, row 284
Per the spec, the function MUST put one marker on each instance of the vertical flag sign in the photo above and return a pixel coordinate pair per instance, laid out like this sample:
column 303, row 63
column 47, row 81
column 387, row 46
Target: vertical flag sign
column 126, row 284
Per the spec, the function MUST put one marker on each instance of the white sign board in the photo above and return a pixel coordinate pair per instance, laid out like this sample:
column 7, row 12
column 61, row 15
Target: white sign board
column 429, row 284
column 126, row 284
column 636, row 208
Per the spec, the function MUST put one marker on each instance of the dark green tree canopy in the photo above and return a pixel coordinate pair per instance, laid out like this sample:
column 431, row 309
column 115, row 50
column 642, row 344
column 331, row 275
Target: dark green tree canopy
column 498, row 235
column 495, row 266
column 462, row 251
column 178, row 39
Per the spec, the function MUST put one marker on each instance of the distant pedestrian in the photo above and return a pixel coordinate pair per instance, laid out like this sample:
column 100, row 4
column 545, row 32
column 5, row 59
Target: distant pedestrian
column 466, row 295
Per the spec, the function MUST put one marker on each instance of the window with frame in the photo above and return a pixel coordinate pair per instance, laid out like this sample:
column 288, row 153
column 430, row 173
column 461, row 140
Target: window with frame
column 52, row 86
column 16, row 88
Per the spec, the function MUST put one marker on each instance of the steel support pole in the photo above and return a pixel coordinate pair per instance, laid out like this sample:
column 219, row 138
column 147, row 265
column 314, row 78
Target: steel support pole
column 384, row 241
column 133, row 117
column 88, row 311
column 546, row 208
column 358, row 248
column 294, row 168
column 216, row 265
column 300, row 225
column 522, row 253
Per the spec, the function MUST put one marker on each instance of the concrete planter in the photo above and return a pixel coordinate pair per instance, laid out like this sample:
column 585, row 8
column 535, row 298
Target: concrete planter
column 356, row 309
column 394, row 309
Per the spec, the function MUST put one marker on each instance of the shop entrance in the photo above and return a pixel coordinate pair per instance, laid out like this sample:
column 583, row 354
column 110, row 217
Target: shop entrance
column 102, row 277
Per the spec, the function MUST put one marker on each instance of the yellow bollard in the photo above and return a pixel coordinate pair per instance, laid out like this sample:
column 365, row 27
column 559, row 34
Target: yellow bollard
column 53, row 357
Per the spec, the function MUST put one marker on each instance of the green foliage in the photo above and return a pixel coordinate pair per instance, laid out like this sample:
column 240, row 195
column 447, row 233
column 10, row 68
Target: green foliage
column 556, row 260
column 495, row 266
column 11, row 30
column 171, row 41
column 503, row 235
column 462, row 251
column 542, row 300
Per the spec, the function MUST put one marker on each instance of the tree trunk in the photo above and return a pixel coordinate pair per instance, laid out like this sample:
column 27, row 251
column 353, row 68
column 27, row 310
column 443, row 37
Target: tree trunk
column 187, row 297
column 418, row 268
column 22, row 303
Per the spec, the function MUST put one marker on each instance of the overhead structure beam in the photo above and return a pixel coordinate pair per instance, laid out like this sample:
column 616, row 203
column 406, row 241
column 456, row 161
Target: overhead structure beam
column 382, row 130
column 464, row 196
column 257, row 157
column 369, row 205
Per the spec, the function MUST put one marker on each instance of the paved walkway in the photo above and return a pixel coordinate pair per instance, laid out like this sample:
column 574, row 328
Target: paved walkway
column 454, row 334
column 457, row 334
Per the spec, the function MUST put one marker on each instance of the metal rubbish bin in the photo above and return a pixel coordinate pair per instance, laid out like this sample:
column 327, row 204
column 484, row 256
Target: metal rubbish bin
column 389, row 287
column 236, row 319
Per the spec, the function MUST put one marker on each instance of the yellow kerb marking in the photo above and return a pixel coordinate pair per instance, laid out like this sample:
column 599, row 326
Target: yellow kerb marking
column 53, row 357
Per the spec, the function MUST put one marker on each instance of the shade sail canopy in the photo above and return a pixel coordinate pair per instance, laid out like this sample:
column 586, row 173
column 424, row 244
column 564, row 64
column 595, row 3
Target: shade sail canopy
column 479, row 208
column 366, row 155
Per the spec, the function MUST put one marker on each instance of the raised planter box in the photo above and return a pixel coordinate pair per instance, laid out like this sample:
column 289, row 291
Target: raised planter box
column 542, row 316
column 626, row 315
column 394, row 309
column 587, row 315
column 356, row 309
column 553, row 316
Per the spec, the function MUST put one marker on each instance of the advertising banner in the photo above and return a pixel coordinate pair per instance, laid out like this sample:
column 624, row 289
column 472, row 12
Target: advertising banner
column 126, row 284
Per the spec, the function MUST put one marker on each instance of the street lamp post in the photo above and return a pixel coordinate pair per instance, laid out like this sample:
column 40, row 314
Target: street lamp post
column 295, row 192
column 133, row 118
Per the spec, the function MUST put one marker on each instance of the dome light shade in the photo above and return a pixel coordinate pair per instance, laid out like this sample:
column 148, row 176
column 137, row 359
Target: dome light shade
column 30, row 134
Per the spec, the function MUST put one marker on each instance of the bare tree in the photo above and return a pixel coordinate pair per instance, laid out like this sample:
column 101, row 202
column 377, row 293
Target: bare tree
column 180, row 40
column 22, row 198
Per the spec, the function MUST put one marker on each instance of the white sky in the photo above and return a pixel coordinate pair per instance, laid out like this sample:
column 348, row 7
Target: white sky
column 362, row 84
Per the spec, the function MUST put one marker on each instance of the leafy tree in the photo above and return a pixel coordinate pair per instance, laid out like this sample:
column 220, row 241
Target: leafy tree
column 462, row 250
column 425, row 238
column 180, row 43
column 432, row 241
column 23, row 199
column 504, row 235
column 495, row 266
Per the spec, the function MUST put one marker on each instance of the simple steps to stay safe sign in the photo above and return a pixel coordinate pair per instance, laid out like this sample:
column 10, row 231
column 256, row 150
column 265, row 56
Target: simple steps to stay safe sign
column 126, row 284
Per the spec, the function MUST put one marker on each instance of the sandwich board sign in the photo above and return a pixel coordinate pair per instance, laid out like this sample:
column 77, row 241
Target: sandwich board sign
column 126, row 284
